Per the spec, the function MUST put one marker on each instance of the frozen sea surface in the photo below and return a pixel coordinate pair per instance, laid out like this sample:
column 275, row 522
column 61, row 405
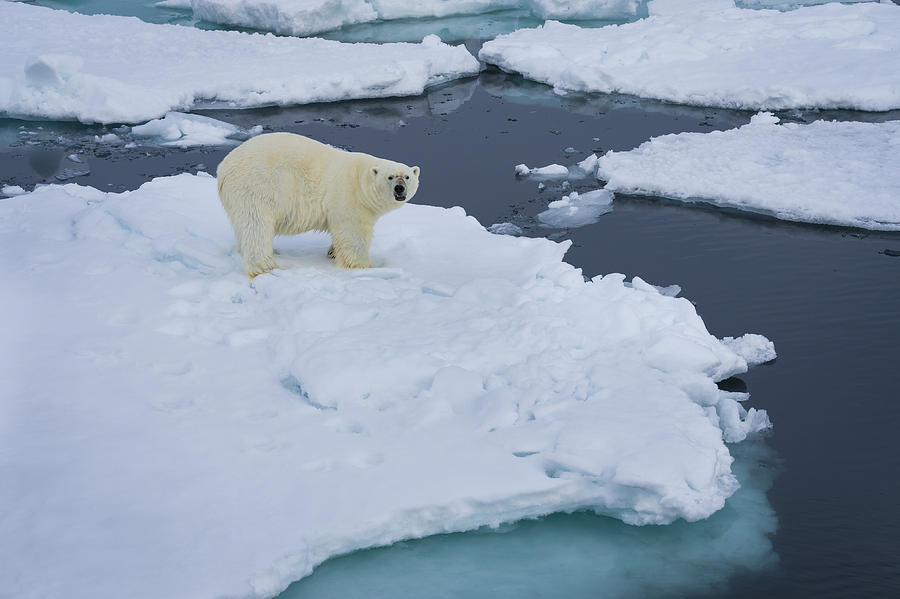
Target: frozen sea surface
column 60, row 65
column 236, row 435
column 825, row 172
column 714, row 54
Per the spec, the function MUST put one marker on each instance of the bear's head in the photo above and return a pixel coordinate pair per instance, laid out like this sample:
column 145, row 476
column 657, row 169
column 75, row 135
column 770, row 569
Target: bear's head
column 395, row 183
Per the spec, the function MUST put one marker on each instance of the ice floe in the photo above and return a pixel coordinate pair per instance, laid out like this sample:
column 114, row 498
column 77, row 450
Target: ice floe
column 711, row 53
column 186, row 130
column 201, row 436
column 577, row 209
column 826, row 172
column 105, row 69
column 305, row 17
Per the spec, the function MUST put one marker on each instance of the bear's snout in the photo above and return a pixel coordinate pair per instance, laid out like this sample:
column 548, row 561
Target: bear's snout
column 400, row 191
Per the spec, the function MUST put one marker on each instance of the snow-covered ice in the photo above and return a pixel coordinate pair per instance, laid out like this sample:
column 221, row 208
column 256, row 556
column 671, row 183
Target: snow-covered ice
column 712, row 53
column 577, row 209
column 105, row 69
column 306, row 17
column 179, row 129
column 200, row 436
column 826, row 172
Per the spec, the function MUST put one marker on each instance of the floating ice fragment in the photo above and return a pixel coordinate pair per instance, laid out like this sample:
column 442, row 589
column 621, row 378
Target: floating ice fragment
column 755, row 349
column 505, row 229
column 576, row 210
column 186, row 130
column 12, row 190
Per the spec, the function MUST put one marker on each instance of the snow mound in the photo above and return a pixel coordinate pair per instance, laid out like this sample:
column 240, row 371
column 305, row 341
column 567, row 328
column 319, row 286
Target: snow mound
column 205, row 437
column 577, row 209
column 714, row 54
column 109, row 69
column 826, row 172
column 306, row 17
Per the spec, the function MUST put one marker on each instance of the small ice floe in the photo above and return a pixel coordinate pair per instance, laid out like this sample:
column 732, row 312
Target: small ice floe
column 577, row 209
column 12, row 190
column 505, row 229
column 184, row 130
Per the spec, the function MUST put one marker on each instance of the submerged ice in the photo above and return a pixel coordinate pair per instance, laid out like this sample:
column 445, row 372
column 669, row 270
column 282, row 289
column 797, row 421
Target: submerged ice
column 469, row 379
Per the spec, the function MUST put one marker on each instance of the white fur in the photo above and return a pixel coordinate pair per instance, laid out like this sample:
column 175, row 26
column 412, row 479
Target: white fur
column 286, row 184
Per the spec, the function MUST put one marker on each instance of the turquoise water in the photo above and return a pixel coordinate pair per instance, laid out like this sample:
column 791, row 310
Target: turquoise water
column 573, row 556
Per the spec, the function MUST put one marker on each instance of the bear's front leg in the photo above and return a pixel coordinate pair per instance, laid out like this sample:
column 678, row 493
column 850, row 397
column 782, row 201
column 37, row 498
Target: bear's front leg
column 350, row 249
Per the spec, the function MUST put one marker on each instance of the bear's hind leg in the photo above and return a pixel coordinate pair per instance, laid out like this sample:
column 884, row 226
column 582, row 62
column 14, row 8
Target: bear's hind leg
column 255, row 245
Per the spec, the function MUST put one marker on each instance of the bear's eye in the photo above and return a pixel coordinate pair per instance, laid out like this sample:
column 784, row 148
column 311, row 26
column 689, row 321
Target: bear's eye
column 407, row 177
column 391, row 178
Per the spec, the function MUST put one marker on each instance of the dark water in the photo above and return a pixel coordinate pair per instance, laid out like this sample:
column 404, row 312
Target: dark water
column 819, row 515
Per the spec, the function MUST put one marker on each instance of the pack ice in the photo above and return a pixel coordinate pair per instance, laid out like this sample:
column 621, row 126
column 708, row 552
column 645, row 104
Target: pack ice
column 826, row 172
column 305, row 17
column 712, row 53
column 170, row 430
column 108, row 69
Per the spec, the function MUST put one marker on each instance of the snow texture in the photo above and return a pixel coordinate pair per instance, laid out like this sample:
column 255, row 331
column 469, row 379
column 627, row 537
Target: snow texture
column 826, row 172
column 187, row 130
column 577, row 209
column 306, row 17
column 711, row 53
column 201, row 436
column 107, row 69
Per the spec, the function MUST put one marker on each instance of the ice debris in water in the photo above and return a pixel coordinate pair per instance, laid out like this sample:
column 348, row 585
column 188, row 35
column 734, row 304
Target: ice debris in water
column 468, row 379
column 826, row 172
column 577, row 209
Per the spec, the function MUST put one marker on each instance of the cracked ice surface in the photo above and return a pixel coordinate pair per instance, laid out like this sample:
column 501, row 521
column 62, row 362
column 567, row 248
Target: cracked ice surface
column 161, row 415
column 106, row 69
column 711, row 53
column 826, row 172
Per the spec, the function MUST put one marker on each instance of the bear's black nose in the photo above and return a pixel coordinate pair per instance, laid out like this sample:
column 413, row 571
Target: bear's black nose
column 399, row 190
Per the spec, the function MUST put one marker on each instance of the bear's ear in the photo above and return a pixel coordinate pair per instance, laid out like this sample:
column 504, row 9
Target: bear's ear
column 415, row 170
column 374, row 171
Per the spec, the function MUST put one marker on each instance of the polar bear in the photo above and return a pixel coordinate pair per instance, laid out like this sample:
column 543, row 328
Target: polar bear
column 286, row 184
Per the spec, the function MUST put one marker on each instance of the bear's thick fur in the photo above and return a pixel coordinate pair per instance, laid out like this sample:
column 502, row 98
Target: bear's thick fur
column 286, row 184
